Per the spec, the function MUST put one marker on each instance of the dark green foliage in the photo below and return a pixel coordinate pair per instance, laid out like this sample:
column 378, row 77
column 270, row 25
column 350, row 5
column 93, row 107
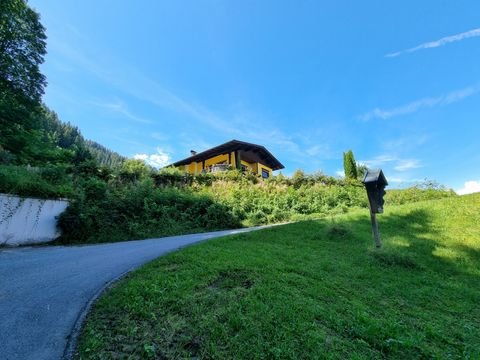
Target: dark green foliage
column 133, row 170
column 35, row 136
column 361, row 171
column 165, row 178
column 104, row 156
column 117, row 206
column 22, row 48
column 349, row 165
column 298, row 178
column 48, row 182
column 139, row 210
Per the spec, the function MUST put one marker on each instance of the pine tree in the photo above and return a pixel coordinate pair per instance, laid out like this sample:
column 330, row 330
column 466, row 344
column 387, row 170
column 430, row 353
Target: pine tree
column 349, row 165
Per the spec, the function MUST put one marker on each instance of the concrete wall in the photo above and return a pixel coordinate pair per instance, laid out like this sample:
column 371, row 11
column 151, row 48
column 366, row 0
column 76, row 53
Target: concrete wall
column 28, row 221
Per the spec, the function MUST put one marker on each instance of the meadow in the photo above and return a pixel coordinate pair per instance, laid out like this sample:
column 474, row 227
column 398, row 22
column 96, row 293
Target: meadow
column 314, row 289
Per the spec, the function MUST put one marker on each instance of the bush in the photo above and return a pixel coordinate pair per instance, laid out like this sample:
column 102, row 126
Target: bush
column 28, row 181
column 136, row 202
column 140, row 210
column 414, row 194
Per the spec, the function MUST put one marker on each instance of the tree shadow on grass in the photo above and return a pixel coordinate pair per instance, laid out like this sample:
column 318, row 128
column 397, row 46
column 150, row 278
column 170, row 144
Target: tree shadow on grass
column 425, row 277
column 412, row 240
column 423, row 240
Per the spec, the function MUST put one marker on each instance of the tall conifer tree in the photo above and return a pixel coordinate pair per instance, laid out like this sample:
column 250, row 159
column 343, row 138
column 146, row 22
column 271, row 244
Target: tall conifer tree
column 349, row 165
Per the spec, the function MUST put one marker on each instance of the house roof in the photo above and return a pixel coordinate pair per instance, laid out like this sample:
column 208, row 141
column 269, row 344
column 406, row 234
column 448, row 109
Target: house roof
column 249, row 151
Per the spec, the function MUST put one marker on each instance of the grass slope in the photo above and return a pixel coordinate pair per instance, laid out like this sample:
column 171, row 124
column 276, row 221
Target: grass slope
column 312, row 290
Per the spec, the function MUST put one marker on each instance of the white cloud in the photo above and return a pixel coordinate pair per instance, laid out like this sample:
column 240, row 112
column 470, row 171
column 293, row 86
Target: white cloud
column 417, row 105
column 157, row 160
column 340, row 173
column 404, row 165
column 437, row 43
column 469, row 187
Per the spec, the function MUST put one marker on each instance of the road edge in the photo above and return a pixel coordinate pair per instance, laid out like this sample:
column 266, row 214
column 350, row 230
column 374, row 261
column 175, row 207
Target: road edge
column 72, row 339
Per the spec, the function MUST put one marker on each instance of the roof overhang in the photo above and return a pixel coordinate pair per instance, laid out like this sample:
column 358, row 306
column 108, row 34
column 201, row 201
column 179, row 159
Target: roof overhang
column 248, row 152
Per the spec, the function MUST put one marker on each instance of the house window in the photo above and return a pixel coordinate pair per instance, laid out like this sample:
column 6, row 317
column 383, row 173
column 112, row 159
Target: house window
column 244, row 168
column 265, row 173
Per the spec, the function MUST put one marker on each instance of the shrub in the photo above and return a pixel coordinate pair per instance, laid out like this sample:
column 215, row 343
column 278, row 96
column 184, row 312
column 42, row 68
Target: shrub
column 27, row 181
column 109, row 205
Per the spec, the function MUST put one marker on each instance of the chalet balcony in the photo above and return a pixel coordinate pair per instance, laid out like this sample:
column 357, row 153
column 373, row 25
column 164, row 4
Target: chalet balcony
column 216, row 168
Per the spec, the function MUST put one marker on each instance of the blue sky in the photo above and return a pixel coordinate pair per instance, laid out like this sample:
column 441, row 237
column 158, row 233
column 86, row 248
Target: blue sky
column 398, row 82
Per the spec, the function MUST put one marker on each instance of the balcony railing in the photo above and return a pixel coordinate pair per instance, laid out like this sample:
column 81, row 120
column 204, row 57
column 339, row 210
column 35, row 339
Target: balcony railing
column 216, row 168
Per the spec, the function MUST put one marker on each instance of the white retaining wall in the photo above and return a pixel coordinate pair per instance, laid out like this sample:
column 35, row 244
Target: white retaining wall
column 28, row 221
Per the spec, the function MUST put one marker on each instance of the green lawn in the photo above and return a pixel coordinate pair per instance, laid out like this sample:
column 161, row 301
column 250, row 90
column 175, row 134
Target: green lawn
column 312, row 290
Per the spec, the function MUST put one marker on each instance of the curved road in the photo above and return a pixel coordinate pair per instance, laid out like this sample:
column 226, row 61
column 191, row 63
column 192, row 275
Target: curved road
column 44, row 290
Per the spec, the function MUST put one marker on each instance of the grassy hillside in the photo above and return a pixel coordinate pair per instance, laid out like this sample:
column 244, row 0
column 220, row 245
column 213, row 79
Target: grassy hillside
column 315, row 289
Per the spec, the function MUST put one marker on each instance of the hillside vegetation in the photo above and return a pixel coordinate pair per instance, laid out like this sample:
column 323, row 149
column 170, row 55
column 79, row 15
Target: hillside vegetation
column 314, row 289
column 137, row 202
column 113, row 198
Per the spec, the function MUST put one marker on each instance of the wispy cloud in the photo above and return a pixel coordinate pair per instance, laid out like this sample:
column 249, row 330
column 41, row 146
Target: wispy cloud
column 158, row 136
column 378, row 161
column 403, row 181
column 159, row 159
column 437, row 43
column 322, row 150
column 405, row 142
column 119, row 107
column 133, row 82
column 417, row 105
column 399, row 164
column 404, row 165
column 240, row 123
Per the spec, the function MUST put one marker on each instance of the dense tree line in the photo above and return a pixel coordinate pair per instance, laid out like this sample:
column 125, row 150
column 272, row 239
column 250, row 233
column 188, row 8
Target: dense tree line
column 104, row 156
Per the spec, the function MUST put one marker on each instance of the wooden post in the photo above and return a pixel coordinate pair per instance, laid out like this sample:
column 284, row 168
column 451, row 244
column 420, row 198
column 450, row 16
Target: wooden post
column 238, row 160
column 375, row 232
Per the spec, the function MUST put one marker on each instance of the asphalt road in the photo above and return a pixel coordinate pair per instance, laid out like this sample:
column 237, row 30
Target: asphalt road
column 44, row 291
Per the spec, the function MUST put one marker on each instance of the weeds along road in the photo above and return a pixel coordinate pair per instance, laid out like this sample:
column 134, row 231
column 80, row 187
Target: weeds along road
column 45, row 291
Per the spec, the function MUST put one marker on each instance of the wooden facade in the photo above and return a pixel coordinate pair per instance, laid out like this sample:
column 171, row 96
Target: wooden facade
column 234, row 154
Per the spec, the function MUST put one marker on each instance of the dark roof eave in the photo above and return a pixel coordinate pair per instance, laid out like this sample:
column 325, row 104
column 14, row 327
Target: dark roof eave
column 227, row 147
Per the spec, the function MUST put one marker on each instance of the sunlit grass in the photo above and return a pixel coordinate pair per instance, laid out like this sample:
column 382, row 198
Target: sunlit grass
column 315, row 289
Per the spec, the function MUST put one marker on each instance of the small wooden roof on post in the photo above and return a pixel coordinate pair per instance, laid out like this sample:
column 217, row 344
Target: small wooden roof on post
column 375, row 182
column 376, row 177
